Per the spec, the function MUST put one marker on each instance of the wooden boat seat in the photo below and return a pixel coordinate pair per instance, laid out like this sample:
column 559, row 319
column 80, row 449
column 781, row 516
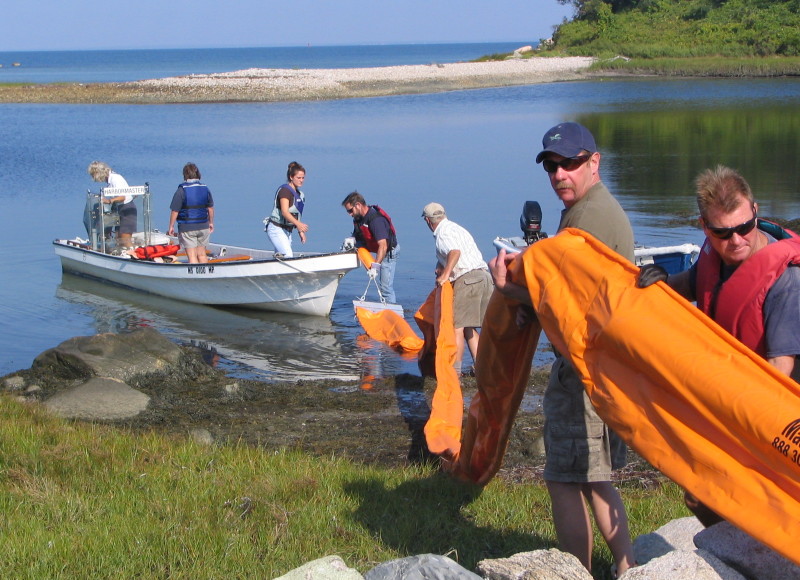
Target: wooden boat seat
column 232, row 258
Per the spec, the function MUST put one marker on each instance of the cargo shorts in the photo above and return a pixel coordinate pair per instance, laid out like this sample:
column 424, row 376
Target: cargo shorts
column 471, row 293
column 579, row 447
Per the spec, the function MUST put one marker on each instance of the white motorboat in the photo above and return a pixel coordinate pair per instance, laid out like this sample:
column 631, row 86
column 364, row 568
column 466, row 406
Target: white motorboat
column 233, row 276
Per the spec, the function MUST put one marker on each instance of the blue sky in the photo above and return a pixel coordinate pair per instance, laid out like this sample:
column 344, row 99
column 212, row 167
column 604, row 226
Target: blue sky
column 107, row 24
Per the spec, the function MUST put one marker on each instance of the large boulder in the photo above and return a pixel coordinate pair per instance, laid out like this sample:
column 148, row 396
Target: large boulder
column 746, row 554
column 116, row 356
column 683, row 565
column 98, row 399
column 422, row 567
column 327, row 568
column 537, row 565
column 675, row 535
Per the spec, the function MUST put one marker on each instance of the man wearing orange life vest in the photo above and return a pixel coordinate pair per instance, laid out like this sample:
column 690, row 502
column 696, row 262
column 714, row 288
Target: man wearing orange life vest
column 746, row 278
column 373, row 230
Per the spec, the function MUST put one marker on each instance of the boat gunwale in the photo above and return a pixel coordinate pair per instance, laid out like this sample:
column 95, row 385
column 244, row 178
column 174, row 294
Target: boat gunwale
column 149, row 263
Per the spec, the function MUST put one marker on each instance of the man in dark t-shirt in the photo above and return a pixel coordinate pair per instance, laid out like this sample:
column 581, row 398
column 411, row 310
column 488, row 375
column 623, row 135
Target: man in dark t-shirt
column 373, row 230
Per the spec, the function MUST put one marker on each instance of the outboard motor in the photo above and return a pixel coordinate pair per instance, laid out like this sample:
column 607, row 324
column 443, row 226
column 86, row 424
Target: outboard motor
column 530, row 222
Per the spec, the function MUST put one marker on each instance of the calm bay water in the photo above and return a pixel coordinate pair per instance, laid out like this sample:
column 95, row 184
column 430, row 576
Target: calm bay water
column 472, row 151
column 131, row 65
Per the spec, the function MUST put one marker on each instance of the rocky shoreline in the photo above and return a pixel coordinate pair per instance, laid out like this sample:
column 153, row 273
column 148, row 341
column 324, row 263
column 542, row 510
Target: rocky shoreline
column 274, row 85
column 142, row 381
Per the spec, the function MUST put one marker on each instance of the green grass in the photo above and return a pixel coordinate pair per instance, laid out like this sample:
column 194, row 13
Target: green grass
column 80, row 500
column 705, row 66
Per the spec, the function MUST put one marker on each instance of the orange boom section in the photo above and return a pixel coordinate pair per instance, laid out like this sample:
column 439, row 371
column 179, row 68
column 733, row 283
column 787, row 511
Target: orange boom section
column 437, row 354
column 365, row 257
column 687, row 396
column 389, row 327
column 435, row 320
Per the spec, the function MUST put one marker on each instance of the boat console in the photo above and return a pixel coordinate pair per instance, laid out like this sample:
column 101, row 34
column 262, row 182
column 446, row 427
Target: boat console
column 102, row 220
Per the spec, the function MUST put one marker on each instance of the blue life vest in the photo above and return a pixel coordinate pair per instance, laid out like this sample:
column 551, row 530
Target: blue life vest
column 195, row 208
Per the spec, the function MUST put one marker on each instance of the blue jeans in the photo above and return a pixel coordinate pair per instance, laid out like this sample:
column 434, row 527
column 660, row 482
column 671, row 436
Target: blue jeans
column 386, row 278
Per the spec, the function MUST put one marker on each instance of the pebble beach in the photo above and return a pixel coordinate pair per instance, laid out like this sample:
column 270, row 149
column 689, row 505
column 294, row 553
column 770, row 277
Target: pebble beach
column 273, row 85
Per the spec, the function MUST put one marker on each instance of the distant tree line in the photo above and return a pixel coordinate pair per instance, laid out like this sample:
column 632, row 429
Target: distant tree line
column 680, row 28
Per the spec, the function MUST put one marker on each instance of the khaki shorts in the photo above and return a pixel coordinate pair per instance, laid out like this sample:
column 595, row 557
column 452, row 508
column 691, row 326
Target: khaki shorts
column 579, row 447
column 471, row 293
column 195, row 238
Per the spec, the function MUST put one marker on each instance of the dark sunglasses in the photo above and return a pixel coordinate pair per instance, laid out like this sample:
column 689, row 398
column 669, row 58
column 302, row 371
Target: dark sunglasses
column 741, row 230
column 352, row 209
column 568, row 164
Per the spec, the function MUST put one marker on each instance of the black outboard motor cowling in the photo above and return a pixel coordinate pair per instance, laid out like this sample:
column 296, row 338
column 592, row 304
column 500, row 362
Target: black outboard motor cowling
column 530, row 222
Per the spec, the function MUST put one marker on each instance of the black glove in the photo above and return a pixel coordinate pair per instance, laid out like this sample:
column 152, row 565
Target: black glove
column 649, row 274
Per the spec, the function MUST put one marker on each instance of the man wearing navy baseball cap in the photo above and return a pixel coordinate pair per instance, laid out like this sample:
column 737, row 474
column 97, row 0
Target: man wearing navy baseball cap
column 567, row 140
column 581, row 451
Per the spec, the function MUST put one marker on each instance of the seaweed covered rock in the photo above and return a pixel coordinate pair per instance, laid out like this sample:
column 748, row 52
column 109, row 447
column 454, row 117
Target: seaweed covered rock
column 117, row 356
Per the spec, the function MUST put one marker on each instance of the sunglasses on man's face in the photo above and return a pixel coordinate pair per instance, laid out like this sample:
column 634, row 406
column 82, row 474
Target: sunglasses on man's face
column 568, row 164
column 741, row 230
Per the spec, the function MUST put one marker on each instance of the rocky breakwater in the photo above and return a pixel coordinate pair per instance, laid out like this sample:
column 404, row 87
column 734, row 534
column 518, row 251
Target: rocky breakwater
column 255, row 85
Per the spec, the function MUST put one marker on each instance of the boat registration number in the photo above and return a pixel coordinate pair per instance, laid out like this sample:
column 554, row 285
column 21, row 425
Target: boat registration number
column 200, row 269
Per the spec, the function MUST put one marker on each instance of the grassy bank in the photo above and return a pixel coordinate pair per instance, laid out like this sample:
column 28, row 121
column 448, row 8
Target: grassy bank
column 731, row 38
column 700, row 66
column 83, row 500
column 752, row 67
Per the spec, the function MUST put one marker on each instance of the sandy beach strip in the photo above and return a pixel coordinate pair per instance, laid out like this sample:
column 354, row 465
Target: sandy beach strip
column 273, row 85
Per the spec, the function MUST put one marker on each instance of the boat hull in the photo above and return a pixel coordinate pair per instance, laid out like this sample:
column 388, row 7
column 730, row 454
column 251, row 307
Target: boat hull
column 305, row 284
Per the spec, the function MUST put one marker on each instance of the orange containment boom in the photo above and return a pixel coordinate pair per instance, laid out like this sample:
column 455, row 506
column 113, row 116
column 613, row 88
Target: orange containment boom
column 391, row 328
column 435, row 320
column 688, row 397
column 365, row 257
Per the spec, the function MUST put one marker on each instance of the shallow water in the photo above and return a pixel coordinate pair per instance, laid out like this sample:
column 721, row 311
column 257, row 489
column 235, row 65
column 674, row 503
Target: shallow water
column 472, row 151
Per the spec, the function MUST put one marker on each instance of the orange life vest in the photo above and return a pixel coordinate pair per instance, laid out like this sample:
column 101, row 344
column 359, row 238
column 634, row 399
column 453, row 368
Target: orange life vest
column 150, row 252
column 737, row 304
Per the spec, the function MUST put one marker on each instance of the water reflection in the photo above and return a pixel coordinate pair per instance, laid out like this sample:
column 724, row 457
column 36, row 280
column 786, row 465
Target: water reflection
column 655, row 136
column 653, row 155
column 243, row 343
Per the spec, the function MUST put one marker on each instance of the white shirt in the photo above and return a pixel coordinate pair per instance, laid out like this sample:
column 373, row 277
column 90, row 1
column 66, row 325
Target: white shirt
column 116, row 180
column 451, row 236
